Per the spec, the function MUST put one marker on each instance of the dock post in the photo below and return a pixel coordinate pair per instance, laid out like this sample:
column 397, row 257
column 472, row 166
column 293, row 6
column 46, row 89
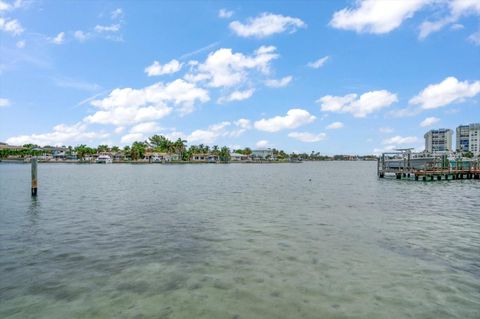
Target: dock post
column 416, row 177
column 439, row 177
column 34, row 177
column 424, row 178
column 399, row 175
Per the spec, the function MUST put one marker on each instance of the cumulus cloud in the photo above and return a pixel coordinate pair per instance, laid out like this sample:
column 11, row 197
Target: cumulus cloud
column 157, row 69
column 265, row 25
column 223, row 68
column 334, row 126
column 225, row 14
column 372, row 16
column 59, row 38
column 448, row 91
column 359, row 106
column 21, row 44
column 146, row 127
column 293, row 119
column 318, row 63
column 4, row 102
column 61, row 134
column 401, row 140
column 307, row 137
column 243, row 123
column 274, row 83
column 213, row 132
column 11, row 26
column 126, row 106
column 236, row 96
column 262, row 144
column 80, row 35
column 132, row 137
column 429, row 121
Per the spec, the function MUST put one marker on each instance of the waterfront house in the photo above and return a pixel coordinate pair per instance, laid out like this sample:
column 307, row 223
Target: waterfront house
column 210, row 158
column 161, row 157
column 263, row 154
column 237, row 157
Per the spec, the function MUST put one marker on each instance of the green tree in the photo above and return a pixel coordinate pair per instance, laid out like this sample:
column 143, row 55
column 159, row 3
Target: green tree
column 224, row 154
column 102, row 148
column 137, row 150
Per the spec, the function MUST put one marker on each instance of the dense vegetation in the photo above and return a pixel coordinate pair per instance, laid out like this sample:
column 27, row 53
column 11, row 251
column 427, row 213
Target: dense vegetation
column 161, row 144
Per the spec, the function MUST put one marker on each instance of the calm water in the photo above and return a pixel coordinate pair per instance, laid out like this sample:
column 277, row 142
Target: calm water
column 236, row 241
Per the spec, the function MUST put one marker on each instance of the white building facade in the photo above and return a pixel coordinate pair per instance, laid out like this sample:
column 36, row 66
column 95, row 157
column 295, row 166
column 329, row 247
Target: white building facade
column 468, row 138
column 438, row 140
column 474, row 139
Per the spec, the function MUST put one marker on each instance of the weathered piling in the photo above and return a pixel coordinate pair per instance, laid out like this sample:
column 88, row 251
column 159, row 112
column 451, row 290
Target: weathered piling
column 34, row 177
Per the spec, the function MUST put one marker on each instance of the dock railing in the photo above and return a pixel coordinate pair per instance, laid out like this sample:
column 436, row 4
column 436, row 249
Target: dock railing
column 440, row 168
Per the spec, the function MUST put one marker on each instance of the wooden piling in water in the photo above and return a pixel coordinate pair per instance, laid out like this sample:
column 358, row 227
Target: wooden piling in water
column 34, row 177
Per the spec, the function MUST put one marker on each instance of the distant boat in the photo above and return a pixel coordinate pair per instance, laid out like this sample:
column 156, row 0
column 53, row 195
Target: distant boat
column 104, row 159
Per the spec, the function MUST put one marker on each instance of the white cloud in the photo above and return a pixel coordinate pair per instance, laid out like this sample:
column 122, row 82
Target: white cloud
column 157, row 69
column 293, row 119
column 236, row 96
column 21, row 44
column 223, row 68
column 448, row 91
column 273, row 83
column 359, row 106
column 335, row 125
column 265, row 25
column 4, row 102
column 457, row 9
column 119, row 129
column 318, row 63
column 81, row 36
column 107, row 28
column 11, row 26
column 262, row 144
column 213, row 132
column 243, row 123
column 401, row 140
column 126, row 106
column 146, row 127
column 307, row 137
column 61, row 135
column 59, row 38
column 117, row 13
column 132, row 137
column 429, row 121
column 225, row 14
column 474, row 38
column 5, row 6
column 372, row 16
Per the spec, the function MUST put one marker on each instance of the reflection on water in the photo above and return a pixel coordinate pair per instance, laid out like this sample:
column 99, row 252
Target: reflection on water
column 316, row 240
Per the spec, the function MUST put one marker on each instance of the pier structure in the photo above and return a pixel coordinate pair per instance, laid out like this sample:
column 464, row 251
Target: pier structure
column 401, row 164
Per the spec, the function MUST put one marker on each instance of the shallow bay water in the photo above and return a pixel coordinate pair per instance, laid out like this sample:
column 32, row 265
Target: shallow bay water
column 310, row 240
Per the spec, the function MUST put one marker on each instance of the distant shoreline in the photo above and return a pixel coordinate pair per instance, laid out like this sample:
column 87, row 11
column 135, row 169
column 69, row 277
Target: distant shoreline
column 14, row 161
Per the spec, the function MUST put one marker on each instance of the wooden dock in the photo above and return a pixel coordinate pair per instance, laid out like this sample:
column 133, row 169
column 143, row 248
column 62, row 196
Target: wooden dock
column 441, row 169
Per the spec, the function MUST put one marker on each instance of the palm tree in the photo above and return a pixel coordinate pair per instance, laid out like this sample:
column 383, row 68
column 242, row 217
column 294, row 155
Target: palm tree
column 224, row 154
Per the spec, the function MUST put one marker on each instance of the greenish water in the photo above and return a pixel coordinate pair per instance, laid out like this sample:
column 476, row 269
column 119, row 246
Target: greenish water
column 236, row 241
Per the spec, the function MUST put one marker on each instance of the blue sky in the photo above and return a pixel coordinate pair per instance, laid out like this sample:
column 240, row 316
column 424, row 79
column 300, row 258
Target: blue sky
column 330, row 76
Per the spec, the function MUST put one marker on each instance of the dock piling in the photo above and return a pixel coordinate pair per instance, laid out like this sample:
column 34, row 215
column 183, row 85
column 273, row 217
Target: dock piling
column 34, row 177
